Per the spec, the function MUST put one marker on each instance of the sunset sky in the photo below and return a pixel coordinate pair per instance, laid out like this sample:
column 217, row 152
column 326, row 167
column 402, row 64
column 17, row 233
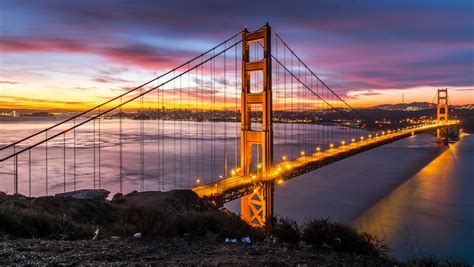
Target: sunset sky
column 73, row 54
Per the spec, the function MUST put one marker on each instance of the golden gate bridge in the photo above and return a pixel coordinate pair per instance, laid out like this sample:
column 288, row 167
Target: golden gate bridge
column 230, row 123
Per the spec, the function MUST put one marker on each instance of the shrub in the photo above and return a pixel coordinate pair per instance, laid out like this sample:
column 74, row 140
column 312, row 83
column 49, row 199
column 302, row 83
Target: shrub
column 212, row 223
column 148, row 221
column 29, row 223
column 285, row 230
column 341, row 237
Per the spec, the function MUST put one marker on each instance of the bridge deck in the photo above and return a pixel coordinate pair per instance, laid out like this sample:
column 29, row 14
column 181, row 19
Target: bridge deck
column 237, row 186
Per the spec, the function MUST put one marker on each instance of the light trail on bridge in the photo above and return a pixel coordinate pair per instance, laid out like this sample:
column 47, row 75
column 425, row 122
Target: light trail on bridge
column 235, row 186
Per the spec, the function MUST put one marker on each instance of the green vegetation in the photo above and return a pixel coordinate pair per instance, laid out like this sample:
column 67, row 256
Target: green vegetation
column 29, row 223
column 285, row 230
column 182, row 215
column 341, row 237
column 157, row 222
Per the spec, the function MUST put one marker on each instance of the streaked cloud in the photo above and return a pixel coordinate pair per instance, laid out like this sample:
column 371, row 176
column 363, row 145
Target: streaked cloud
column 370, row 47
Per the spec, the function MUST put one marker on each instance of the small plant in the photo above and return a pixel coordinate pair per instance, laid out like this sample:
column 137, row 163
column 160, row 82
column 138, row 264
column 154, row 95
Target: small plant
column 285, row 230
column 341, row 237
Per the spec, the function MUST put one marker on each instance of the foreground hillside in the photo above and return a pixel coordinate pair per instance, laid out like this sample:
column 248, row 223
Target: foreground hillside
column 173, row 228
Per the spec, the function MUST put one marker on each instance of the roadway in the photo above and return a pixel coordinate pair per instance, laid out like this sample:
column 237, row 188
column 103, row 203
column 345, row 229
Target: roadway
column 236, row 186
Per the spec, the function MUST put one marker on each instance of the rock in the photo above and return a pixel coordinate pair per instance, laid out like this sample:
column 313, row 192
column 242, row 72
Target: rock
column 96, row 234
column 88, row 211
column 231, row 240
column 137, row 235
column 89, row 194
column 174, row 201
column 118, row 198
column 246, row 240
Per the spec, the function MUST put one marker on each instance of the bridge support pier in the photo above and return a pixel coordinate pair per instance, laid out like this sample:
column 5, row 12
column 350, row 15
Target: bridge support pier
column 257, row 206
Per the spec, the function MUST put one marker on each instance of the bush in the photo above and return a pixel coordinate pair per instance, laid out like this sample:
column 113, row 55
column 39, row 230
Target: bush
column 156, row 222
column 28, row 223
column 341, row 237
column 212, row 223
column 148, row 221
column 285, row 230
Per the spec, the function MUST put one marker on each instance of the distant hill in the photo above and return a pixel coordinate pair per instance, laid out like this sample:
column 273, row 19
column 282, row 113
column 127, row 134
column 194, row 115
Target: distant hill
column 406, row 106
column 418, row 106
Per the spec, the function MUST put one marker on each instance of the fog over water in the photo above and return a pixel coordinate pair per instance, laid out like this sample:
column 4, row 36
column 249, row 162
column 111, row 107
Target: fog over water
column 414, row 193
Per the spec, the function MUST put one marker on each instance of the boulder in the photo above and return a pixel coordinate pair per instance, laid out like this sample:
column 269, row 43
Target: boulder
column 174, row 201
column 87, row 194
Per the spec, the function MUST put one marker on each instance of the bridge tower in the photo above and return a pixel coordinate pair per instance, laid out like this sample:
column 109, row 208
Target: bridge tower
column 442, row 113
column 257, row 206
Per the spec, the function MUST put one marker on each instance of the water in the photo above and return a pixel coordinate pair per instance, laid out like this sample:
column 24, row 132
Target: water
column 175, row 154
column 432, row 213
column 413, row 193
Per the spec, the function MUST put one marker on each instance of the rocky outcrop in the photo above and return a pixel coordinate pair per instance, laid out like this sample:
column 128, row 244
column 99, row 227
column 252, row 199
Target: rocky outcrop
column 88, row 194
column 175, row 201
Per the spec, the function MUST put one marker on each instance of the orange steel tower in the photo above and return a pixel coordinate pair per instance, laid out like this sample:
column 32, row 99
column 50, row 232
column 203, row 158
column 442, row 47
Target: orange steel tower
column 258, row 206
column 442, row 112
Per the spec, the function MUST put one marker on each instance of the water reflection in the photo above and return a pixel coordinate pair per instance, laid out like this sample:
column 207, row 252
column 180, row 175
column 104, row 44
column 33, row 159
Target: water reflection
column 433, row 212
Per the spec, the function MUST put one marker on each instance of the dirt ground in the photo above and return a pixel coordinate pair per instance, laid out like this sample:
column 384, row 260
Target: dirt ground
column 172, row 252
